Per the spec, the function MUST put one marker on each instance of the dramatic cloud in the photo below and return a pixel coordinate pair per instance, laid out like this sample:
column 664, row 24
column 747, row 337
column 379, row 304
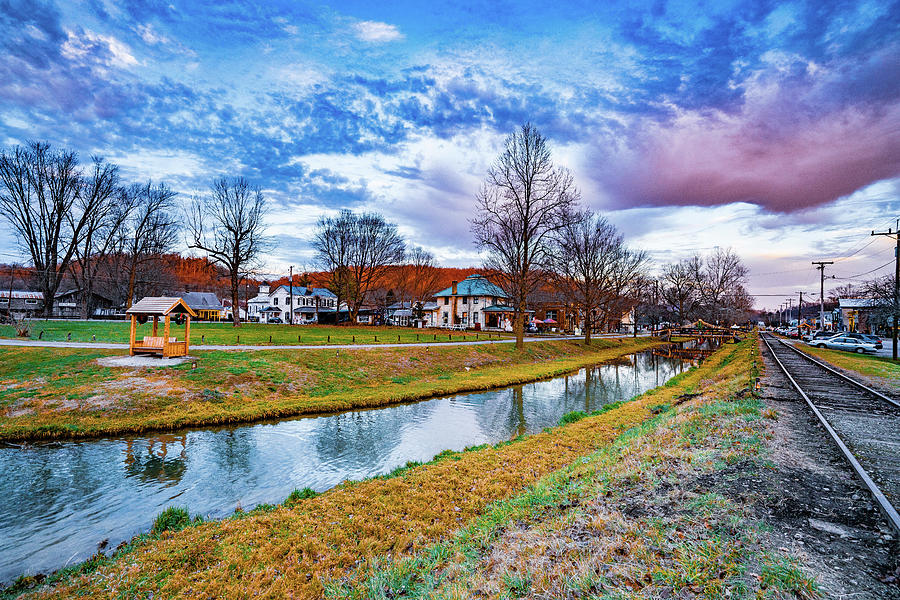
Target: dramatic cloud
column 666, row 111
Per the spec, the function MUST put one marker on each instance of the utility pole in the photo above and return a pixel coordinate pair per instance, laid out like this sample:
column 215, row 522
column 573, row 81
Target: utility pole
column 821, row 267
column 790, row 310
column 799, row 311
column 291, row 295
column 895, row 309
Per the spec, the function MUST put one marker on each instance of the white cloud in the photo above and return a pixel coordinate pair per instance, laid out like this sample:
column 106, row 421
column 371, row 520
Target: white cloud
column 150, row 36
column 80, row 47
column 377, row 32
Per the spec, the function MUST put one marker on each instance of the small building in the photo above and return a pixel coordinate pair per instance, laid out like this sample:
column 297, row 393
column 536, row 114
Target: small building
column 155, row 308
column 412, row 314
column 205, row 304
column 21, row 304
column 258, row 303
column 307, row 302
column 68, row 304
column 473, row 302
column 856, row 314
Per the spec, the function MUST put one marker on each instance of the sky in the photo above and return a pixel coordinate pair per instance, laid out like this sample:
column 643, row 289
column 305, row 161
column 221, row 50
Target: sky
column 772, row 128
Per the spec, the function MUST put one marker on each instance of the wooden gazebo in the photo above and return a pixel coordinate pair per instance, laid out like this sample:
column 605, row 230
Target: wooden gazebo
column 156, row 307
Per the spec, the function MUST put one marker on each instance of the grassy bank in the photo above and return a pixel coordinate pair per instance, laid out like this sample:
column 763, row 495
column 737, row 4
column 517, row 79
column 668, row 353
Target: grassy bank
column 65, row 393
column 877, row 368
column 353, row 536
column 248, row 334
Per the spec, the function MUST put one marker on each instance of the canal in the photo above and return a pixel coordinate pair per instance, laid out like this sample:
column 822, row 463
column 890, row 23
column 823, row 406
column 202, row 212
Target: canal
column 61, row 499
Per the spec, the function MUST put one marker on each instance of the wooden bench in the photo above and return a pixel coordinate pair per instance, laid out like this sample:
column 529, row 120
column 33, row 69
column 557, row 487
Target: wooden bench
column 152, row 344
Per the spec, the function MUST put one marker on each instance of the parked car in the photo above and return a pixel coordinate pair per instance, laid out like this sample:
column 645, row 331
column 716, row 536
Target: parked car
column 874, row 339
column 843, row 342
column 820, row 335
column 276, row 320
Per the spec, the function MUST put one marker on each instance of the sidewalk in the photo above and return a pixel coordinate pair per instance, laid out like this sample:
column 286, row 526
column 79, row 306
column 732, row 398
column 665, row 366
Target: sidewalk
column 249, row 348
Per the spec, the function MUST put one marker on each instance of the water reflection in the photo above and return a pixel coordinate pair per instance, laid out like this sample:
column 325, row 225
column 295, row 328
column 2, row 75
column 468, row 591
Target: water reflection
column 62, row 498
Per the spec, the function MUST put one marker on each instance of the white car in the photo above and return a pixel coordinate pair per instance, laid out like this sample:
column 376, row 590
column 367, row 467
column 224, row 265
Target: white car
column 840, row 342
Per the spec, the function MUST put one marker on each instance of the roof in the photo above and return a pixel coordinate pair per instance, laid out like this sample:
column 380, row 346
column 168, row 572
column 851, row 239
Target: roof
column 202, row 301
column 160, row 306
column 474, row 285
column 271, row 309
column 19, row 294
column 857, row 303
column 306, row 291
column 501, row 308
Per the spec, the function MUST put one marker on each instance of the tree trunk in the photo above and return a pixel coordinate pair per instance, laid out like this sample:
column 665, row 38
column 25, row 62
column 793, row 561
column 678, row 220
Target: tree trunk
column 587, row 327
column 519, row 325
column 129, row 299
column 235, row 307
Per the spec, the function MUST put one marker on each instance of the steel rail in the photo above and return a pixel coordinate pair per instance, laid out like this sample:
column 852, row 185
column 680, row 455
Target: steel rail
column 885, row 505
column 839, row 374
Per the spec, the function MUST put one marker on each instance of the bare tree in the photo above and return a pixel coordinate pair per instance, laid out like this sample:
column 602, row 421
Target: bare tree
column 418, row 278
column 679, row 289
column 228, row 225
column 102, row 233
column 625, row 286
column 46, row 201
column 721, row 280
column 358, row 250
column 333, row 245
column 582, row 264
column 150, row 231
column 522, row 202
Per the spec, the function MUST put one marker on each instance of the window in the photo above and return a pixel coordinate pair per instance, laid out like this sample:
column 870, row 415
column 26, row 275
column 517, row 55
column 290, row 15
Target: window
column 30, row 301
column 275, row 301
column 474, row 317
column 465, row 318
column 475, row 300
column 446, row 300
column 4, row 300
column 465, row 299
column 551, row 314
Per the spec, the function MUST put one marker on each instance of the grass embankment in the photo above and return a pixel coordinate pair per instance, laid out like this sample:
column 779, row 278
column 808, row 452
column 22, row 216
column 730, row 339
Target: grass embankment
column 877, row 368
column 248, row 334
column 64, row 393
column 425, row 526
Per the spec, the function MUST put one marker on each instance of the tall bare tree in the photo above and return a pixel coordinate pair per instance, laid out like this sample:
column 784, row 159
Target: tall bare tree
column 150, row 231
column 333, row 243
column 228, row 225
column 46, row 201
column 582, row 264
column 721, row 280
column 522, row 202
column 679, row 289
column 102, row 233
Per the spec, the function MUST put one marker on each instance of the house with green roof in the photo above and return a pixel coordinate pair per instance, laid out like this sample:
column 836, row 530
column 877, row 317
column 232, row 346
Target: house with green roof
column 474, row 303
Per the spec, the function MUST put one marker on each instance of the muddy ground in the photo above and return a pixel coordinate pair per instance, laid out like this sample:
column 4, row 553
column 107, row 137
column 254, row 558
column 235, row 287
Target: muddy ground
column 818, row 510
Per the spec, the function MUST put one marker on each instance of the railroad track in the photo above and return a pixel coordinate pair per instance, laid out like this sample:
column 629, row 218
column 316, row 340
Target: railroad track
column 864, row 423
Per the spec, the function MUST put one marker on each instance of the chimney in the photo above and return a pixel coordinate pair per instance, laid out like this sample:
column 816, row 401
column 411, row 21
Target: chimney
column 453, row 287
column 263, row 290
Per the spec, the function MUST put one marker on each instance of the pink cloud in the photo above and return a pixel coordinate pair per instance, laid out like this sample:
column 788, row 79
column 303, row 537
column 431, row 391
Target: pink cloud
column 777, row 153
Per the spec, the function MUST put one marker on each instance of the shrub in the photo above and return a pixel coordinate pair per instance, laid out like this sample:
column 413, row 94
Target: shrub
column 298, row 495
column 173, row 519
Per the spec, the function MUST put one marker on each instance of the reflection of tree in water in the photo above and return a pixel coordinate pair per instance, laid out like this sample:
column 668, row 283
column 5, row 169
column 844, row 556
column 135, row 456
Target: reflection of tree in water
column 234, row 450
column 359, row 440
column 163, row 460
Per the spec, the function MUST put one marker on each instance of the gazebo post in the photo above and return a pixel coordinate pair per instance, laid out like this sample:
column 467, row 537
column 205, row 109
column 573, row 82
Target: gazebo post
column 187, row 334
column 166, row 337
column 131, row 335
column 154, row 325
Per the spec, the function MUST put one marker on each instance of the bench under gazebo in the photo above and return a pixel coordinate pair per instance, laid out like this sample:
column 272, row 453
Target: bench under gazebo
column 156, row 308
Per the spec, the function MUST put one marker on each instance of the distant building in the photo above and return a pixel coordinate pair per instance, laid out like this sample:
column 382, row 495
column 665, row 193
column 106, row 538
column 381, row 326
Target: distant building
column 309, row 303
column 205, row 304
column 23, row 304
column 856, row 314
column 474, row 302
column 67, row 304
column 412, row 314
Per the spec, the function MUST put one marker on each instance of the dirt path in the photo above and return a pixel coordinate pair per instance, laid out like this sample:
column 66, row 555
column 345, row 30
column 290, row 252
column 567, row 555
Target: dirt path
column 817, row 508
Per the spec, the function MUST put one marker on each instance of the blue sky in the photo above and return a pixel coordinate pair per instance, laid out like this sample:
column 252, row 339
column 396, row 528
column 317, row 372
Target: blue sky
column 772, row 127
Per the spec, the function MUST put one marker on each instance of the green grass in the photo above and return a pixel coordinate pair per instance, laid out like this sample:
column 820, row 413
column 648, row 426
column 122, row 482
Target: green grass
column 248, row 334
column 63, row 392
column 880, row 368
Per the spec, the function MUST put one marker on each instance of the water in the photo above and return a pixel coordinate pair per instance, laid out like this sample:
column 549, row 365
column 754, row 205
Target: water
column 61, row 499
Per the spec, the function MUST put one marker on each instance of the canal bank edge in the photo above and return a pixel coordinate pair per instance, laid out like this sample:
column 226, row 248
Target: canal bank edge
column 212, row 408
column 295, row 547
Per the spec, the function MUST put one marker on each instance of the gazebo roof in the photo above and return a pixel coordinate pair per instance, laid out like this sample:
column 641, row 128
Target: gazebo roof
column 160, row 306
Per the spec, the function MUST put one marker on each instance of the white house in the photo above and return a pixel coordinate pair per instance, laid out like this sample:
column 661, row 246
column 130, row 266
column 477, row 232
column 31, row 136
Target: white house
column 307, row 303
